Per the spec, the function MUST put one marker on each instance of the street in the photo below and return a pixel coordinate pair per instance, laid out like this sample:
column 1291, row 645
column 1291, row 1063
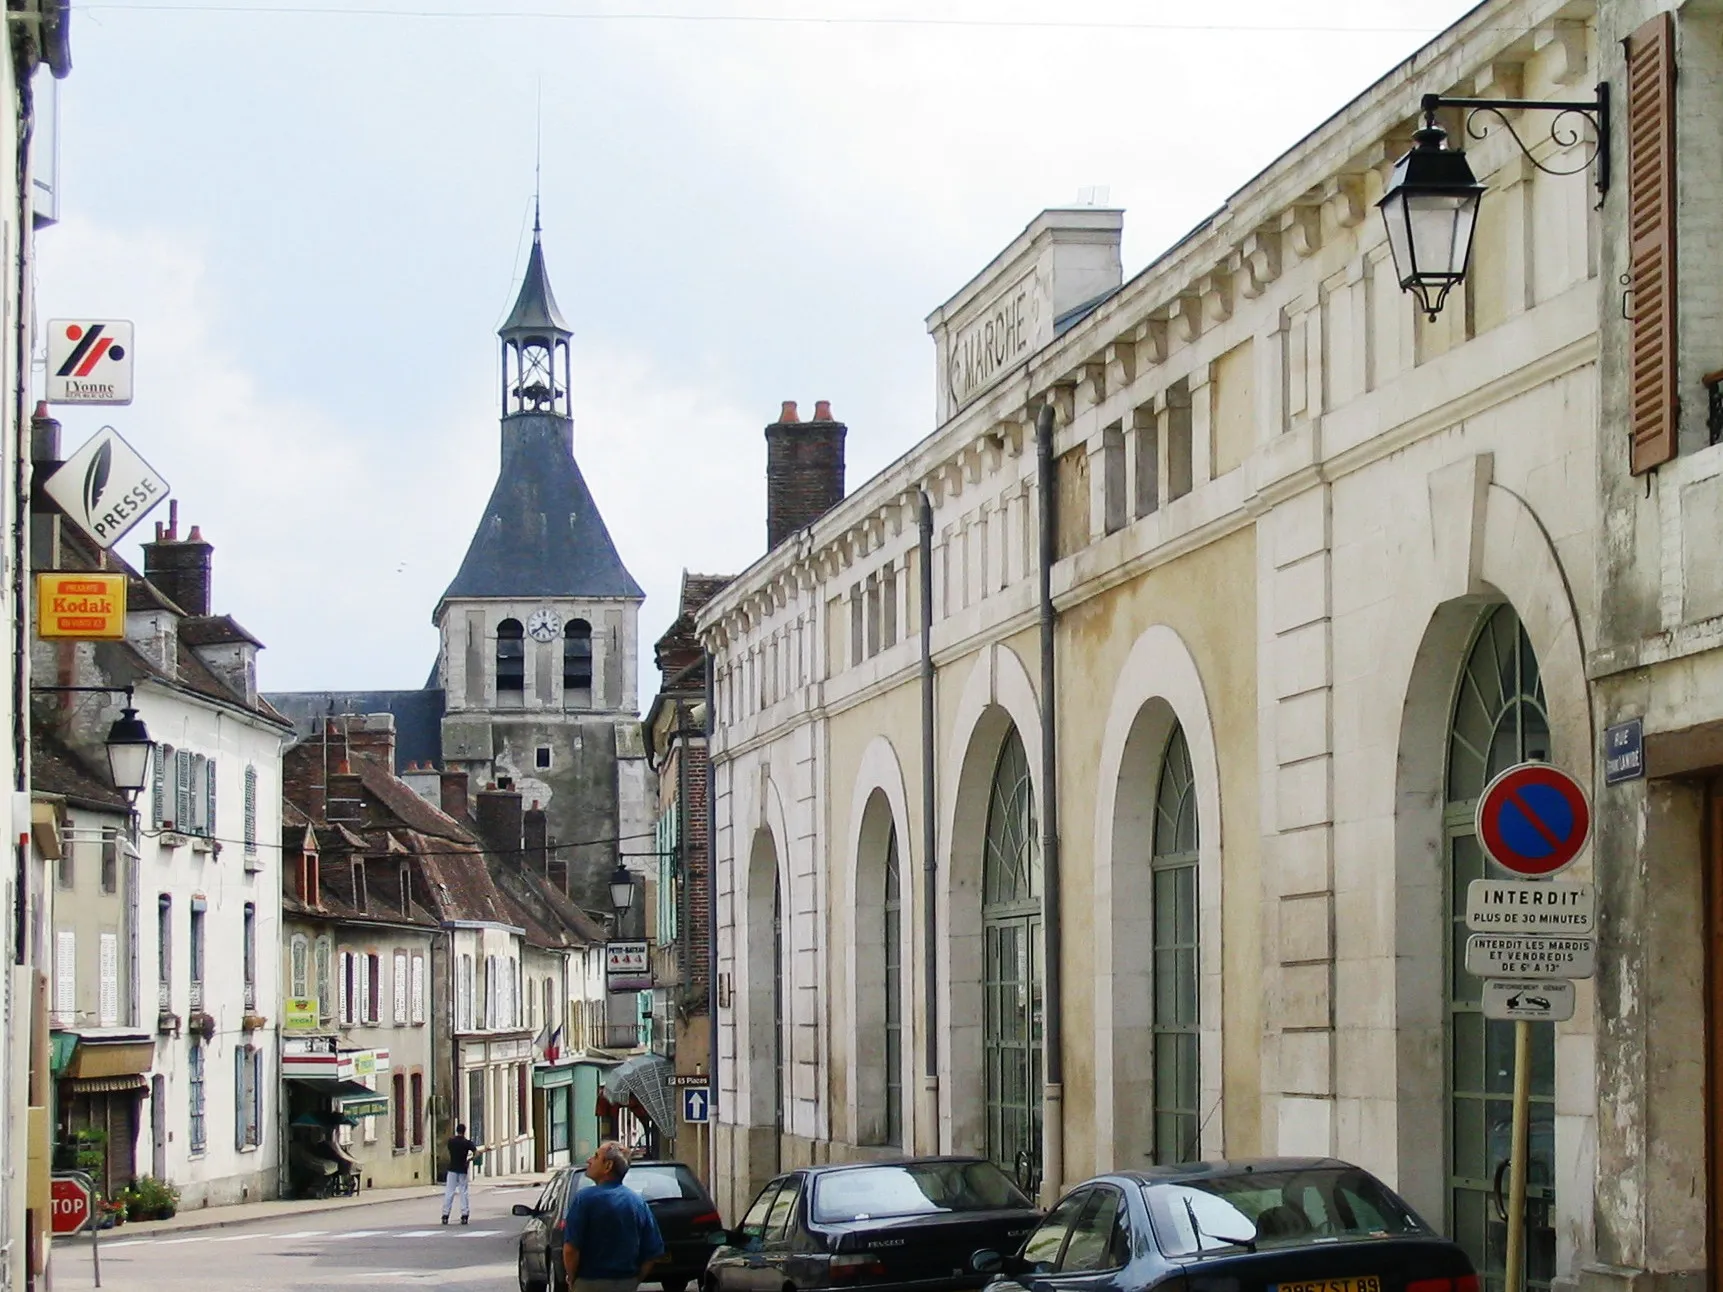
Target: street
column 394, row 1242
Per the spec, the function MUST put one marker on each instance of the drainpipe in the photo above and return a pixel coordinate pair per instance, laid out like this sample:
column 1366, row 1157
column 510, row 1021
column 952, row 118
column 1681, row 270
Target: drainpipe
column 929, row 840
column 711, row 726
column 1053, row 1124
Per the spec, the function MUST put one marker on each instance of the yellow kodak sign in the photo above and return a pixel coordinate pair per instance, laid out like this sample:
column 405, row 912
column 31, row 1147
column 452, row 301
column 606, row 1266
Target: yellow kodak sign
column 85, row 607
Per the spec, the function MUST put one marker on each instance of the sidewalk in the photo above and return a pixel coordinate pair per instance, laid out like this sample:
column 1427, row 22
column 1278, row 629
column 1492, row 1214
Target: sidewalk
column 246, row 1213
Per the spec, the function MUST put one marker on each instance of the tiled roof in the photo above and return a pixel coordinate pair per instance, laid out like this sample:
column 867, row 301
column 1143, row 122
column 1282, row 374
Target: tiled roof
column 541, row 534
column 57, row 769
column 213, row 630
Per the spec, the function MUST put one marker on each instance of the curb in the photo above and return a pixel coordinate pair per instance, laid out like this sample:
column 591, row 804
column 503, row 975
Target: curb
column 217, row 1221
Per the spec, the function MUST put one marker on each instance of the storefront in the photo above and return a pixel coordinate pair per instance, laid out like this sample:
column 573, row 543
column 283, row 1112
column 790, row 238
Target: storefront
column 332, row 1106
column 552, row 1114
column 99, row 1084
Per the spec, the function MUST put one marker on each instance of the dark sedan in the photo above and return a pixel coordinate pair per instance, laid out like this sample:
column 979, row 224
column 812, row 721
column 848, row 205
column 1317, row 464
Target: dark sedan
column 1275, row 1225
column 912, row 1224
column 685, row 1213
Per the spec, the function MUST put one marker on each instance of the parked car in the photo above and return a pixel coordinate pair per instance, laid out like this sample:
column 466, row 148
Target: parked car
column 686, row 1215
column 1282, row 1224
column 906, row 1224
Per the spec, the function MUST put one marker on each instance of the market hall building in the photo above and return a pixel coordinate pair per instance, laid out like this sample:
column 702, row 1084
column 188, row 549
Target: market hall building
column 1320, row 566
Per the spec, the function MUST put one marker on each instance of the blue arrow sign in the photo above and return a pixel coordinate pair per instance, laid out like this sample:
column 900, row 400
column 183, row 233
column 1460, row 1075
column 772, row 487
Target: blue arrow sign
column 695, row 1103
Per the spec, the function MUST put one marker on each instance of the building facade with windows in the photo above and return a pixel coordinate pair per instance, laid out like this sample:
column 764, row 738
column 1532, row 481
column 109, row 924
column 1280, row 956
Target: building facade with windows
column 1173, row 862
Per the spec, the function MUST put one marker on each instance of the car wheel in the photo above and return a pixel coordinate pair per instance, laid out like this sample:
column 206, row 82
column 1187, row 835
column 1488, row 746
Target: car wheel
column 528, row 1284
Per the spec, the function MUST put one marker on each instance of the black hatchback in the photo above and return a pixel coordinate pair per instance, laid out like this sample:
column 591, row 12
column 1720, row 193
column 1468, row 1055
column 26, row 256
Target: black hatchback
column 687, row 1219
column 908, row 1224
column 1271, row 1225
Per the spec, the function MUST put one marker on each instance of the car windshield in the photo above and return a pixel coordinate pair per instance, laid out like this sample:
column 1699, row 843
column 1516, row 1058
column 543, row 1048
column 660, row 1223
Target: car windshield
column 656, row 1182
column 1275, row 1209
column 913, row 1188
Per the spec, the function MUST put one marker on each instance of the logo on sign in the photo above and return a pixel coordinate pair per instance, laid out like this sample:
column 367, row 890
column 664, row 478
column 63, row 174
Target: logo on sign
column 89, row 361
column 105, row 487
column 81, row 607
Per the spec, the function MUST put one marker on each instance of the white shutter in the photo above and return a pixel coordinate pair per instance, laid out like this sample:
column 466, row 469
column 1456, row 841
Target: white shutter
column 110, row 983
column 417, row 989
column 66, row 974
column 400, row 986
column 362, row 1010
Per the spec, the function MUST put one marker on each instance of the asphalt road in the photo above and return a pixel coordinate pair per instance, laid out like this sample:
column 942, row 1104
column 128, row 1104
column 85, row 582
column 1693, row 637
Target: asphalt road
column 389, row 1244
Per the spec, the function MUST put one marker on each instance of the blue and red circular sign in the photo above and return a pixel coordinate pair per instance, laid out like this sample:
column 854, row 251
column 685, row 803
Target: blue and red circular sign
column 1533, row 819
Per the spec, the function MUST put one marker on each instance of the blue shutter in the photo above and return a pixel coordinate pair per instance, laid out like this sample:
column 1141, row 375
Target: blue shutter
column 158, row 784
column 182, row 791
column 239, row 1101
column 250, row 811
column 209, row 797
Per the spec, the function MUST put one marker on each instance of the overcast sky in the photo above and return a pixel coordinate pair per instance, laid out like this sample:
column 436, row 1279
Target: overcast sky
column 316, row 214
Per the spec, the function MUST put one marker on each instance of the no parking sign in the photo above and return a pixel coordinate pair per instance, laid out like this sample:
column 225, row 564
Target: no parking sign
column 1533, row 819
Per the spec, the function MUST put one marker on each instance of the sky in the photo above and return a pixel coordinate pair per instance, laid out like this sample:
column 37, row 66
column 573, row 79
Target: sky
column 316, row 214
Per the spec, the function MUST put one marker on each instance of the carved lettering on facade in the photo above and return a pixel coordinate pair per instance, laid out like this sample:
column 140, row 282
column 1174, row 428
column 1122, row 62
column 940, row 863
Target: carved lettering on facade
column 1007, row 329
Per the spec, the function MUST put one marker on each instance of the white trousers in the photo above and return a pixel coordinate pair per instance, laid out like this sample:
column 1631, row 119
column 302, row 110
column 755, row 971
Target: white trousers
column 456, row 1185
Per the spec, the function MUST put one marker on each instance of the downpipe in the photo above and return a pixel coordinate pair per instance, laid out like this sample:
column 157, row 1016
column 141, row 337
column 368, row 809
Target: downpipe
column 929, row 1119
column 1053, row 1096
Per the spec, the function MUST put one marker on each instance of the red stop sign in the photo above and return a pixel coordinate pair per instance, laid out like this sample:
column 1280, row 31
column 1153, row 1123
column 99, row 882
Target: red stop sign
column 71, row 1205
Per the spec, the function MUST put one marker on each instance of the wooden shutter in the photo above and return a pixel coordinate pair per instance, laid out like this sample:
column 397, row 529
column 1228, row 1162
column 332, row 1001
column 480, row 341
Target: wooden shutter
column 158, row 784
column 1652, row 396
column 182, row 791
column 109, row 1001
column 250, row 811
column 209, row 798
column 66, row 975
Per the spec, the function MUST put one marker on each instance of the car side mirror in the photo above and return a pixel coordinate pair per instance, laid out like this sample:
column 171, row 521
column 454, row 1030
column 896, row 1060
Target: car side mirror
column 986, row 1261
column 522, row 1209
column 719, row 1238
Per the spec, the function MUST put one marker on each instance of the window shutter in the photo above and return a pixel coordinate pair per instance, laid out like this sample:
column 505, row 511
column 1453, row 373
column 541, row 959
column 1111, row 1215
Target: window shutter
column 1652, row 396
column 400, row 986
column 250, row 811
column 110, row 974
column 182, row 790
column 373, row 989
column 417, row 990
column 158, row 784
column 346, row 970
column 300, row 974
column 209, row 797
column 66, row 974
column 239, row 1096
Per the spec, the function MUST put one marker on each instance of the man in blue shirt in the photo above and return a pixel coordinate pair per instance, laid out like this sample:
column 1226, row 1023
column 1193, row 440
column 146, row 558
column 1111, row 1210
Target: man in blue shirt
column 610, row 1237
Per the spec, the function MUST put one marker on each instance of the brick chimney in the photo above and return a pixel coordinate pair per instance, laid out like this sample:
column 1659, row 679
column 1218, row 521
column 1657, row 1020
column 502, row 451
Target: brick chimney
column 374, row 736
column 535, row 836
column 179, row 567
column 44, row 441
column 500, row 820
column 452, row 790
column 804, row 470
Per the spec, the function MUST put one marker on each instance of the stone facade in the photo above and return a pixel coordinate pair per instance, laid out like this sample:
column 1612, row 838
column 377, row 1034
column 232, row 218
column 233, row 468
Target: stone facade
column 1295, row 521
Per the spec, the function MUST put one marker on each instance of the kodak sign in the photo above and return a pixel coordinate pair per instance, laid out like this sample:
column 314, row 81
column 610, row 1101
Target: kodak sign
column 86, row 607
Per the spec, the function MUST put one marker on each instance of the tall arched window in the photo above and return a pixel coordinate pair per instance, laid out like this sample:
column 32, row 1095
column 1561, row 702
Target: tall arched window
column 511, row 658
column 893, row 993
column 1011, row 925
column 577, row 662
column 1173, row 867
column 1499, row 719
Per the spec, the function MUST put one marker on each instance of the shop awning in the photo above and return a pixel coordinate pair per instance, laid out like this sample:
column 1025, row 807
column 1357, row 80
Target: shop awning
column 550, row 1076
column 107, row 1085
column 644, row 1080
column 335, row 1088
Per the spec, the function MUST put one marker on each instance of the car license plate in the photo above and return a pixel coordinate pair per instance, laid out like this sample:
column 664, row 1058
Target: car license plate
column 1365, row 1283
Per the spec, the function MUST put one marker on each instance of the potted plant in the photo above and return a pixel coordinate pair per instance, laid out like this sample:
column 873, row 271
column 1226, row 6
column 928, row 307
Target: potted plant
column 152, row 1199
column 89, row 1150
column 203, row 1025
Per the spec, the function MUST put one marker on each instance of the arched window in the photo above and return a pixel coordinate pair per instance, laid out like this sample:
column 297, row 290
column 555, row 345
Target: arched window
column 299, row 966
column 893, row 993
column 577, row 661
column 1173, row 867
column 323, row 962
column 511, row 658
column 1012, row 972
column 1499, row 719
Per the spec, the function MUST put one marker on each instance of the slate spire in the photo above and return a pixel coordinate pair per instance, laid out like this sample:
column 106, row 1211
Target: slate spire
column 536, row 372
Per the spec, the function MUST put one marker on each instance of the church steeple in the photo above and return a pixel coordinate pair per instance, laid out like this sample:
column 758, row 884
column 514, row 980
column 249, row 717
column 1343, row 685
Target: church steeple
column 535, row 338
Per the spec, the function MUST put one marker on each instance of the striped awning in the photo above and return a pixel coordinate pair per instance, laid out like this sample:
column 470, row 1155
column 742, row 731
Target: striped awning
column 106, row 1085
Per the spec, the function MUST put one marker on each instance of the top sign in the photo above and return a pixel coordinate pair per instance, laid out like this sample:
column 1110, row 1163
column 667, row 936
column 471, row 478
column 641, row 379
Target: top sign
column 1533, row 819
column 89, row 361
column 105, row 487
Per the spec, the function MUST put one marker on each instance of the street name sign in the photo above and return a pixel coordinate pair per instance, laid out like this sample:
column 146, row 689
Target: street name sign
column 1533, row 1000
column 1489, row 955
column 1533, row 819
column 1624, row 752
column 89, row 361
column 105, row 487
column 1527, row 906
column 696, row 1104
column 81, row 607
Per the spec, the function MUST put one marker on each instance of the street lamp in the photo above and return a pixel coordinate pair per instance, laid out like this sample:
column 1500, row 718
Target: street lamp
column 129, row 750
column 1431, row 208
column 621, row 890
column 1431, row 203
column 128, row 740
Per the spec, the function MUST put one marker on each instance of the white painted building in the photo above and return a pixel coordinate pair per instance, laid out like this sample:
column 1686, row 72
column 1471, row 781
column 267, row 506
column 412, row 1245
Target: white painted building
column 1320, row 565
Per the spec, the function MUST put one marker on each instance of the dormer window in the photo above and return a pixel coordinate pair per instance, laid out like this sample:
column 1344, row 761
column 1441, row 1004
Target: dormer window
column 511, row 658
column 577, row 662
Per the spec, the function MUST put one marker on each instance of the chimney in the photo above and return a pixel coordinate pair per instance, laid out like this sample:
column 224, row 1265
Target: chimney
column 452, row 790
column 804, row 470
column 180, row 568
column 345, row 801
column 500, row 820
column 44, row 441
column 374, row 736
column 535, row 833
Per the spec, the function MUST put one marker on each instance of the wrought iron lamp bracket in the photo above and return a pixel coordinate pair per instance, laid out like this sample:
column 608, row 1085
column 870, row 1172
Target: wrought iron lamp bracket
column 1564, row 130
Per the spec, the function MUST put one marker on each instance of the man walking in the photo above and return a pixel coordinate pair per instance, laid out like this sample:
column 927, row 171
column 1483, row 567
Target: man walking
column 610, row 1236
column 463, row 1153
